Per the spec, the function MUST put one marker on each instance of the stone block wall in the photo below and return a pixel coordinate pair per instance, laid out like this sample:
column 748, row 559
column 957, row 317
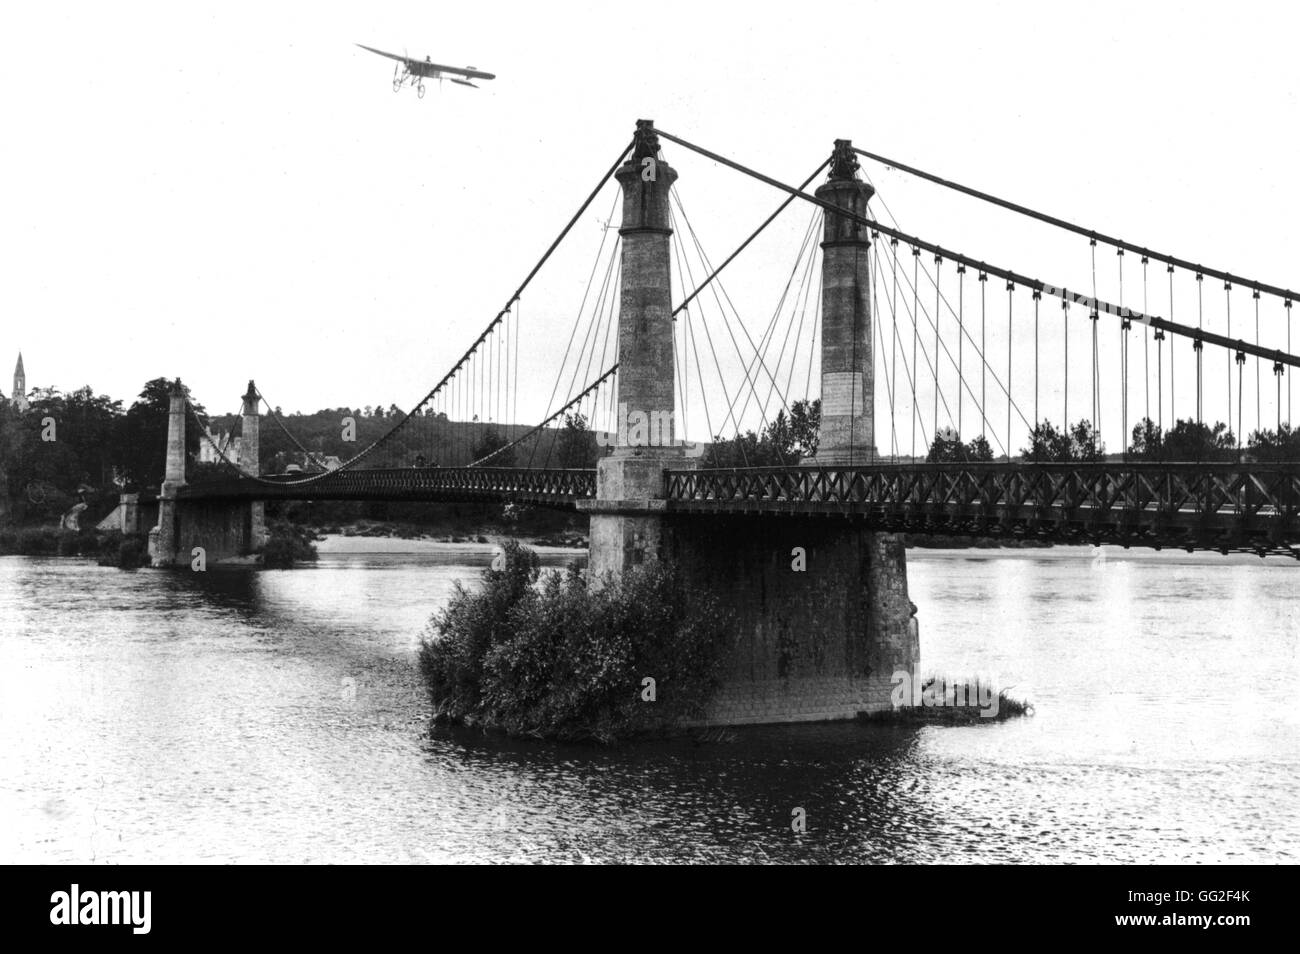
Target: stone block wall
column 813, row 645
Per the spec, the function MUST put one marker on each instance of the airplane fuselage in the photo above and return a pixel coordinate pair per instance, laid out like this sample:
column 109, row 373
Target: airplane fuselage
column 435, row 70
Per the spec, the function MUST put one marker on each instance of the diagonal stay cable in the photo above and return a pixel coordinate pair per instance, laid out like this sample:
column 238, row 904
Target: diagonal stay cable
column 749, row 379
column 769, row 333
column 753, row 235
column 577, row 320
column 962, row 330
column 708, row 335
column 505, row 447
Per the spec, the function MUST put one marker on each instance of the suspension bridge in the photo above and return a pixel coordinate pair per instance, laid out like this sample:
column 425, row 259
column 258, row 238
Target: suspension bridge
column 895, row 385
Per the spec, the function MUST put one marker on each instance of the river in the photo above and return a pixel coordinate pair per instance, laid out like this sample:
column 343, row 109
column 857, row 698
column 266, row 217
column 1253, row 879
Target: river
column 243, row 716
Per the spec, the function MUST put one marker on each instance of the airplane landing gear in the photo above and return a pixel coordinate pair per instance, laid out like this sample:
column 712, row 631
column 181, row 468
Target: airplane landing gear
column 397, row 78
column 419, row 91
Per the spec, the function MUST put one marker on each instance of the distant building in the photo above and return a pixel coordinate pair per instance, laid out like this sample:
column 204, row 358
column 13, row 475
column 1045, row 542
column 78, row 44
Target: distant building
column 19, row 399
column 326, row 461
column 227, row 447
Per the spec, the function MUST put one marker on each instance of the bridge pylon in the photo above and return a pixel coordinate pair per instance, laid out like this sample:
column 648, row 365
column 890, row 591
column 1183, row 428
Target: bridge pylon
column 626, row 516
column 848, row 381
column 164, row 544
column 223, row 528
column 250, row 461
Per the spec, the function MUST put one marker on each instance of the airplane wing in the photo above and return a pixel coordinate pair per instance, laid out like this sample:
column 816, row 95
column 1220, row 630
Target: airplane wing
column 460, row 71
column 391, row 56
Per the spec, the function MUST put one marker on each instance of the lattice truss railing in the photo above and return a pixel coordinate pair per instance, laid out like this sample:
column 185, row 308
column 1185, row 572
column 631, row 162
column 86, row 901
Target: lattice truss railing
column 1199, row 506
column 525, row 485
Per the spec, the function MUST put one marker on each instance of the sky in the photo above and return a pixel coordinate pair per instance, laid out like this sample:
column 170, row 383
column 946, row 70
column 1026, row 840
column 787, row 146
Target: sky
column 233, row 191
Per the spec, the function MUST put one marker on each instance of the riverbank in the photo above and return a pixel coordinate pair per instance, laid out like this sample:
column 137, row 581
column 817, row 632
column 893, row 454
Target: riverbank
column 336, row 544
column 395, row 537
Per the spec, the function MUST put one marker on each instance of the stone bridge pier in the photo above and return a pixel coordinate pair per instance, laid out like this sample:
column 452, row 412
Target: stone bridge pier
column 821, row 609
column 224, row 529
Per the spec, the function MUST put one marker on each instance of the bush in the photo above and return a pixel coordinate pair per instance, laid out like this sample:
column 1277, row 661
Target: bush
column 288, row 544
column 565, row 660
column 124, row 551
column 49, row 541
column 77, row 543
column 35, row 541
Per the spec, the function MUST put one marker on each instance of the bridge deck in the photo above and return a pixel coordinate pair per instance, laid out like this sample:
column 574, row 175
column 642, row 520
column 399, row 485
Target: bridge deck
column 1249, row 507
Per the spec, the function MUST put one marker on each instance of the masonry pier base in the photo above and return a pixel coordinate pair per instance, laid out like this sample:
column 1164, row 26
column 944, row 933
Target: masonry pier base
column 821, row 619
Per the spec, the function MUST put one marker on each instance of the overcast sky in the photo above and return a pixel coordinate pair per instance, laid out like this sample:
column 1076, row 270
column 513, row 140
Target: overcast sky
column 234, row 191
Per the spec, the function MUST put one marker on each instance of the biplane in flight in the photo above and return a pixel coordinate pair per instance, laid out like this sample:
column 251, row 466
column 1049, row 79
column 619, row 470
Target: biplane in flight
column 412, row 72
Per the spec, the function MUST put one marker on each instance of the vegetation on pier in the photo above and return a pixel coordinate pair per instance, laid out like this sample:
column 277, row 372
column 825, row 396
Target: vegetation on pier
column 287, row 544
column 947, row 701
column 561, row 659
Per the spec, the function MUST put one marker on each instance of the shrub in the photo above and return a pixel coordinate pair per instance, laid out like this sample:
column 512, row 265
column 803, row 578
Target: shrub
column 38, row 541
column 125, row 551
column 77, row 543
column 288, row 544
column 566, row 660
column 49, row 541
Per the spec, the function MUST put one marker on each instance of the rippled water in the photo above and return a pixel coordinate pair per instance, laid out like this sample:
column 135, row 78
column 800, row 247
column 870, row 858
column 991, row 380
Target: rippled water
column 277, row 716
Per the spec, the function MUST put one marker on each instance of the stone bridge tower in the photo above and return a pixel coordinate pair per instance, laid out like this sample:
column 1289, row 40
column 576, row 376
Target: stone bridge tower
column 250, row 461
column 627, row 514
column 848, row 380
column 165, row 539
column 223, row 528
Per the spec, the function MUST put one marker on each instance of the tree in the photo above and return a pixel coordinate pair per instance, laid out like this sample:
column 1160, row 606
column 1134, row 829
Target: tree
column 1080, row 441
column 1046, row 444
column 947, row 447
column 1148, row 441
column 978, row 450
column 783, row 440
column 1086, row 443
column 492, row 440
column 805, row 425
column 1189, row 440
column 743, row 450
column 141, row 448
column 576, row 445
column 1282, row 444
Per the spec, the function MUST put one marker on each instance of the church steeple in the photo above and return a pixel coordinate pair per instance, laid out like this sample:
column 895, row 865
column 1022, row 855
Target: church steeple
column 20, row 385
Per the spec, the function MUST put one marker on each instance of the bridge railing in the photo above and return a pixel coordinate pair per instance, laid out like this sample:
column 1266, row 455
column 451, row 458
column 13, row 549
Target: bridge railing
column 1218, row 505
column 412, row 483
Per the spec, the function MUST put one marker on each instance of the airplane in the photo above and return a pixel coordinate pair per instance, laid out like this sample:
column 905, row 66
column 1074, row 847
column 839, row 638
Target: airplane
column 413, row 72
